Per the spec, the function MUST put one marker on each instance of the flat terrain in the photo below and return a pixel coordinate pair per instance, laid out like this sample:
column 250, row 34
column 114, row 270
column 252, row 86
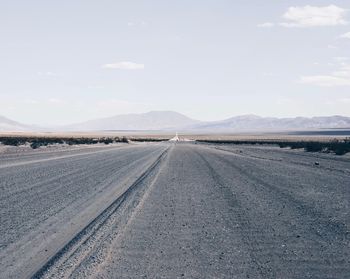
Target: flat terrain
column 173, row 210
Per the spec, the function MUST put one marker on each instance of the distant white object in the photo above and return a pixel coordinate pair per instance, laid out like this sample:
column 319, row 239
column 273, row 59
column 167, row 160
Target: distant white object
column 176, row 138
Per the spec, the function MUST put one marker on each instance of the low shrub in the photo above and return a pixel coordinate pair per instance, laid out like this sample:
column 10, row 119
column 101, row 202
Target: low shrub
column 36, row 142
column 13, row 141
column 338, row 147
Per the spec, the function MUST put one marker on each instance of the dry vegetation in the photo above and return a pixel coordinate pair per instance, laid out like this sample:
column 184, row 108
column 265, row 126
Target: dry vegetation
column 36, row 142
column 336, row 146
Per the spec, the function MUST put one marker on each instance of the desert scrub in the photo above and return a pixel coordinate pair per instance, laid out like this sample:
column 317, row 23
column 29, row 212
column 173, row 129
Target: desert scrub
column 36, row 142
column 336, row 146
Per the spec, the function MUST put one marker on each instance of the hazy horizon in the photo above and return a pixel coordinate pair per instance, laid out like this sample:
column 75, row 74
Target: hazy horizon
column 67, row 62
column 166, row 116
column 150, row 111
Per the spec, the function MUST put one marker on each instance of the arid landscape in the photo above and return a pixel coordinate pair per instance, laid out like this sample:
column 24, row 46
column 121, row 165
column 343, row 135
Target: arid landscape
column 173, row 209
column 175, row 139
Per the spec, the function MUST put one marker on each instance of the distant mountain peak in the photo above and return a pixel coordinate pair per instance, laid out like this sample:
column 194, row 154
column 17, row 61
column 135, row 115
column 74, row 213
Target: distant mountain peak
column 9, row 125
column 257, row 123
column 174, row 121
column 152, row 120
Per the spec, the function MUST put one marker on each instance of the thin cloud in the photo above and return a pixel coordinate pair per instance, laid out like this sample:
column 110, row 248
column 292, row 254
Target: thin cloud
column 266, row 25
column 95, row 87
column 341, row 58
column 47, row 74
column 311, row 16
column 31, row 101
column 124, row 65
column 136, row 23
column 55, row 101
column 341, row 77
column 345, row 36
column 344, row 100
column 326, row 80
column 332, row 47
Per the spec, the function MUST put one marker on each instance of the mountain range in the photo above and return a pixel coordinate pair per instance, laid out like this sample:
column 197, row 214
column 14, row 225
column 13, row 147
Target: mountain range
column 9, row 125
column 153, row 120
column 173, row 121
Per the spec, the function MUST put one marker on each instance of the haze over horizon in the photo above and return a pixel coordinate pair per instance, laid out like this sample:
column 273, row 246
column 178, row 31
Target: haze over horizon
column 65, row 62
column 174, row 121
column 159, row 115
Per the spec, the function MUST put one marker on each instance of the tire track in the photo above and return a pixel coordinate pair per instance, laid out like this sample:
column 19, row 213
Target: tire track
column 265, row 270
column 51, row 188
column 75, row 251
column 78, row 173
column 60, row 157
column 344, row 172
column 323, row 226
column 325, row 238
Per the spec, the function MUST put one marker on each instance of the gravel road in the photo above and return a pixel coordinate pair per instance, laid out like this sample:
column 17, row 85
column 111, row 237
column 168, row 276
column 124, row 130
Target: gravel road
column 174, row 210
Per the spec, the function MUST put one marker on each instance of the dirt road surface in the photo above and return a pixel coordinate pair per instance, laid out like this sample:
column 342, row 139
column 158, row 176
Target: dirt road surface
column 174, row 210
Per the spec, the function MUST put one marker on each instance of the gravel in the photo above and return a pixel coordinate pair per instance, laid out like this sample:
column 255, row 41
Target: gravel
column 175, row 210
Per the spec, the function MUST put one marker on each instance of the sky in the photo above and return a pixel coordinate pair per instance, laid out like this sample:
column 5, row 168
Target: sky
column 68, row 61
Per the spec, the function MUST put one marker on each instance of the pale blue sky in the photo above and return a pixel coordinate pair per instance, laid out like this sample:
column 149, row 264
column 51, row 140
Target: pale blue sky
column 68, row 61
